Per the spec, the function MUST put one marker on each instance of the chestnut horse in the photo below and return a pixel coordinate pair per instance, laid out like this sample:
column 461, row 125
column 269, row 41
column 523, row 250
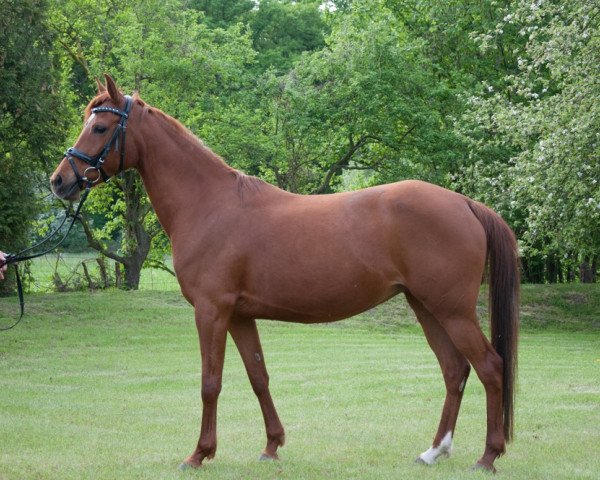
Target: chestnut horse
column 244, row 249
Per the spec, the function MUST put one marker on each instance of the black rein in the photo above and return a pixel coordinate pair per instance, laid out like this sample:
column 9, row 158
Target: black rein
column 95, row 163
column 14, row 258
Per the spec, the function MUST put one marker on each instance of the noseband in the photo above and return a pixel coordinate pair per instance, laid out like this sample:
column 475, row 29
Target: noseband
column 97, row 162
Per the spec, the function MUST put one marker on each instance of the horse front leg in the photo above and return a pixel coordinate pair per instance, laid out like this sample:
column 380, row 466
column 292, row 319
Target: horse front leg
column 245, row 336
column 212, row 324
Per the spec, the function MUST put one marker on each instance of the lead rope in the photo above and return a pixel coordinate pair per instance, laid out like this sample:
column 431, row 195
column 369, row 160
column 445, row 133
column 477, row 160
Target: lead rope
column 14, row 258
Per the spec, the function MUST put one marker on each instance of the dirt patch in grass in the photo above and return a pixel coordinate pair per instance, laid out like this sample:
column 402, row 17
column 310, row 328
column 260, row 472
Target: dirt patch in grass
column 575, row 298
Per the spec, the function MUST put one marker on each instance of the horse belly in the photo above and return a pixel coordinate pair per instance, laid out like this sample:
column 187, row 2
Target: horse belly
column 320, row 285
column 318, row 307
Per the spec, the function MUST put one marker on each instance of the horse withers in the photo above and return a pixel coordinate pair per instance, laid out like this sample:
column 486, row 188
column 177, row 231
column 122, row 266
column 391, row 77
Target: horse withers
column 244, row 249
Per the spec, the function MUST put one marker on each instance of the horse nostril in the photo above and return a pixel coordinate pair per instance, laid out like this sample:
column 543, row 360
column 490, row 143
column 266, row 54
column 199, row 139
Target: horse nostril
column 57, row 181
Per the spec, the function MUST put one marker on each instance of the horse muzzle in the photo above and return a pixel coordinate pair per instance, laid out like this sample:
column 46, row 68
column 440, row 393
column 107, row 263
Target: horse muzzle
column 65, row 186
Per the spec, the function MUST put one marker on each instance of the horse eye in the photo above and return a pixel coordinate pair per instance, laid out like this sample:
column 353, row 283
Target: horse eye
column 99, row 129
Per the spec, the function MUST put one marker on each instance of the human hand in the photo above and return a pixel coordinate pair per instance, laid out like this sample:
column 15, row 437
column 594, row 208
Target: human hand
column 4, row 267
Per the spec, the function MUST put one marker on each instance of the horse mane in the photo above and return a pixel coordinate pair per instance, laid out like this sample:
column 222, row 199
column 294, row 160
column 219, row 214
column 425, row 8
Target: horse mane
column 95, row 102
column 176, row 124
column 245, row 183
column 249, row 183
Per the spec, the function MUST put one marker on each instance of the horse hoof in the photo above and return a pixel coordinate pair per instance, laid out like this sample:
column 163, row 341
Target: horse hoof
column 187, row 466
column 265, row 458
column 481, row 467
column 420, row 461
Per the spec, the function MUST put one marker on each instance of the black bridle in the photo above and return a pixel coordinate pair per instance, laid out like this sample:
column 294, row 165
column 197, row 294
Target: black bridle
column 97, row 162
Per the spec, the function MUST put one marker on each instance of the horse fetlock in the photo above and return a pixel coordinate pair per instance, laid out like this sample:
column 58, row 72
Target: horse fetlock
column 433, row 454
column 277, row 438
column 483, row 467
column 205, row 449
column 208, row 452
column 274, row 441
column 495, row 445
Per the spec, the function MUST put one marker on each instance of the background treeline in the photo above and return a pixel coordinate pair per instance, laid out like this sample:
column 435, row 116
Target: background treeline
column 497, row 99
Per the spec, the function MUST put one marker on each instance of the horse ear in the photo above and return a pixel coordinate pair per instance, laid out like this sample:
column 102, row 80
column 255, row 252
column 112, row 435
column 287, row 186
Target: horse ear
column 101, row 88
column 111, row 86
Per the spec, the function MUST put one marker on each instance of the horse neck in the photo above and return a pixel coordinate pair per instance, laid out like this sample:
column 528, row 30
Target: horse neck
column 183, row 178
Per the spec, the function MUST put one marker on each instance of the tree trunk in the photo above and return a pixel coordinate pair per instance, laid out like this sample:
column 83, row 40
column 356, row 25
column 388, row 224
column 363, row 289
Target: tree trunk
column 136, row 239
column 118, row 277
column 133, row 272
column 135, row 262
column 103, row 272
column 587, row 273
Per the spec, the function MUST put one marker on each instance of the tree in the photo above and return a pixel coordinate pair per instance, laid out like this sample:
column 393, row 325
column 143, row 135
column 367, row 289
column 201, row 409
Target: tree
column 366, row 101
column 178, row 63
column 545, row 124
column 282, row 30
column 218, row 13
column 452, row 33
column 31, row 128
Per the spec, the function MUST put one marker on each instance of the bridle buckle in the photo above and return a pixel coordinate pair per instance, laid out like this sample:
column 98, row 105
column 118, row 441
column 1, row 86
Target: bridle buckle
column 85, row 178
column 96, row 162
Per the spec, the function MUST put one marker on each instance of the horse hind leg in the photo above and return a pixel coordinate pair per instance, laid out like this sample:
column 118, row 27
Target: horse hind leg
column 245, row 336
column 462, row 327
column 472, row 343
column 455, row 369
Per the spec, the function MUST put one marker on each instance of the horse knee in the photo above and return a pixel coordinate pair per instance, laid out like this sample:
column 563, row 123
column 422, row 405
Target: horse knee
column 260, row 384
column 211, row 388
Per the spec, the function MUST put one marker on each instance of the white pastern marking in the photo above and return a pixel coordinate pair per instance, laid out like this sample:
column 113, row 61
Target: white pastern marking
column 444, row 449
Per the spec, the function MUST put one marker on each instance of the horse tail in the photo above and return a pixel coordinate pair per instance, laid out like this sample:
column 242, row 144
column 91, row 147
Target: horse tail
column 504, row 282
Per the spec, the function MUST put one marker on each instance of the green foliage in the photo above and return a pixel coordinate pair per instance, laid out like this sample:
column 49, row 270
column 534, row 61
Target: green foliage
column 544, row 128
column 218, row 13
column 493, row 98
column 367, row 101
column 282, row 30
column 31, row 129
column 30, row 117
column 453, row 31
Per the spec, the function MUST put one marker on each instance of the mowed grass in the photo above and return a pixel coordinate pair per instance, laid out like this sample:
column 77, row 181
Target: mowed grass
column 69, row 268
column 105, row 385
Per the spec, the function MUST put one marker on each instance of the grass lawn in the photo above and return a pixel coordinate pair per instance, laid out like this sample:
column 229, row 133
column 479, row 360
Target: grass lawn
column 106, row 386
column 70, row 270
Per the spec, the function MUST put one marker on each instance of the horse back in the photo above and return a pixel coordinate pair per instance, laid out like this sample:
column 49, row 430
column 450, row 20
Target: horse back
column 323, row 258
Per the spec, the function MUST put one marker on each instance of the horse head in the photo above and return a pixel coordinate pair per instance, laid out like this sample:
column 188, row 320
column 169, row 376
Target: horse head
column 100, row 151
